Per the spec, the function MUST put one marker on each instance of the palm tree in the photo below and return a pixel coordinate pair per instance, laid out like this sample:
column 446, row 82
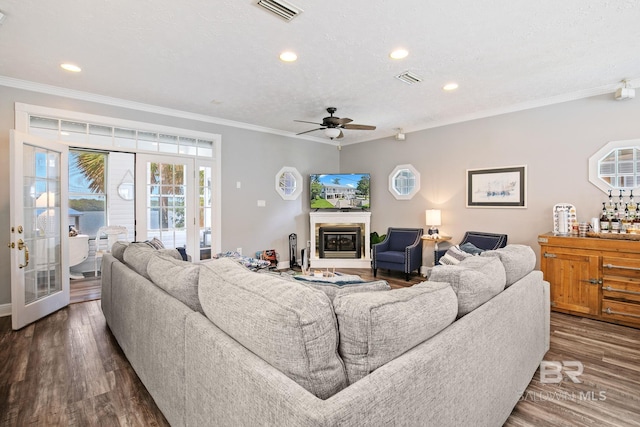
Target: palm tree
column 92, row 167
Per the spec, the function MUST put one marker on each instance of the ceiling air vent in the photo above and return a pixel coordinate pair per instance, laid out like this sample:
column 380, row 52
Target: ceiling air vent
column 284, row 10
column 409, row 78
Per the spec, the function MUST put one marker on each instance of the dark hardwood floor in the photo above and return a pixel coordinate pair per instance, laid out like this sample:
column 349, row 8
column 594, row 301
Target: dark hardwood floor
column 87, row 289
column 67, row 370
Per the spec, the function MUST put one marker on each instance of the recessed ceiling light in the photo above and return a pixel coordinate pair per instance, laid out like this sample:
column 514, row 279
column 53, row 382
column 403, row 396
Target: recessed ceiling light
column 450, row 86
column 398, row 54
column 71, row 67
column 288, row 56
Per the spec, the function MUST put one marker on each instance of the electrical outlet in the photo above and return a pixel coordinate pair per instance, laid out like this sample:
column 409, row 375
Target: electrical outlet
column 239, row 250
column 262, row 203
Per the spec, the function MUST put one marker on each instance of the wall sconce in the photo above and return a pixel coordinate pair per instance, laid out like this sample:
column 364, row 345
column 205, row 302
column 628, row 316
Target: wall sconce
column 433, row 219
column 400, row 135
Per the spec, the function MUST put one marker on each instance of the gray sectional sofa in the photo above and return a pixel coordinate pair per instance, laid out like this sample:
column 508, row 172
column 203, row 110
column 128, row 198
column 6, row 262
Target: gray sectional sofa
column 218, row 345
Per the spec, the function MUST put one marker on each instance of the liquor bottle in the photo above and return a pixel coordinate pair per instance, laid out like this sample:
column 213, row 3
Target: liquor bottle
column 604, row 219
column 615, row 221
column 625, row 224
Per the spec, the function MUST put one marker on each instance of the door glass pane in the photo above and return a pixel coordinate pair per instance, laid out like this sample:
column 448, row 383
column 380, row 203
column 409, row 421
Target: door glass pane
column 204, row 211
column 42, row 219
column 166, row 211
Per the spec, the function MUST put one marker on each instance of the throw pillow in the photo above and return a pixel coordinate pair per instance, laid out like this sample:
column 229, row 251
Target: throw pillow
column 137, row 256
column 155, row 243
column 475, row 280
column 518, row 261
column 117, row 250
column 470, row 248
column 377, row 327
column 178, row 278
column 453, row 256
column 290, row 326
column 332, row 290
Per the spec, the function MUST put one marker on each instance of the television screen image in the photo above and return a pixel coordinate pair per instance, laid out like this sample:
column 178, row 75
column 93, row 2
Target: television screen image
column 340, row 191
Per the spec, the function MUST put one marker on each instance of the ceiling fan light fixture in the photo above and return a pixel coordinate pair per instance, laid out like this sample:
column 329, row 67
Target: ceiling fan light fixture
column 332, row 132
column 399, row 54
column 288, row 56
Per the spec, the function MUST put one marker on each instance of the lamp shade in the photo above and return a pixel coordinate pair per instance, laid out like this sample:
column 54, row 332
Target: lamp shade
column 332, row 132
column 433, row 217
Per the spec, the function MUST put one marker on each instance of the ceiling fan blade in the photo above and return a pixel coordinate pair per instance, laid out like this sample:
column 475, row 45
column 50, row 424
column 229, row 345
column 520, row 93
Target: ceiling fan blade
column 340, row 136
column 359, row 127
column 312, row 130
column 344, row 121
column 304, row 121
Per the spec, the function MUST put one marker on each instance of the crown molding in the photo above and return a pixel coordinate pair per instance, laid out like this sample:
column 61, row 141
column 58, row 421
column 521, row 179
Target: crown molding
column 139, row 106
column 544, row 102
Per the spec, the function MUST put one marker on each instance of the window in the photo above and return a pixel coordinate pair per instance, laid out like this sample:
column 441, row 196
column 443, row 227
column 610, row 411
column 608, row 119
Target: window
column 289, row 183
column 404, row 182
column 87, row 191
column 616, row 166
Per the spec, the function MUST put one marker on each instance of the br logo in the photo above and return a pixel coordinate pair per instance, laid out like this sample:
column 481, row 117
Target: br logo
column 552, row 372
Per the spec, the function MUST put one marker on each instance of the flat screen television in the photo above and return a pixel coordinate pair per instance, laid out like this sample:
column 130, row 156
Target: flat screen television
column 340, row 191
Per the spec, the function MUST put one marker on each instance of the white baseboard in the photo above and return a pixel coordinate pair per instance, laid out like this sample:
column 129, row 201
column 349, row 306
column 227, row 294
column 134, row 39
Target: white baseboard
column 5, row 310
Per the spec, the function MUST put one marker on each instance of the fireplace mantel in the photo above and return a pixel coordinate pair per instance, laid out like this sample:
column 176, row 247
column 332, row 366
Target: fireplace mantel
column 326, row 218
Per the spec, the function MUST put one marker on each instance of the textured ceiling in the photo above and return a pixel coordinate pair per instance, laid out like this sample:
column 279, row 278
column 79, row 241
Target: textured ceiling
column 220, row 58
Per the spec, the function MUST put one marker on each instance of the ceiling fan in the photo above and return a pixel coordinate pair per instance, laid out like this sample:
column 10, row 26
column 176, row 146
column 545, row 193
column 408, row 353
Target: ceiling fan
column 333, row 125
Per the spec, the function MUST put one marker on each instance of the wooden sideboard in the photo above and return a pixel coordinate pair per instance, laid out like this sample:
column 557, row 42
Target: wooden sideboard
column 593, row 277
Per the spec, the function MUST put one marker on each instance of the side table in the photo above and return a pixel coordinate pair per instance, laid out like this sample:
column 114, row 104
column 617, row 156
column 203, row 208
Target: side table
column 435, row 238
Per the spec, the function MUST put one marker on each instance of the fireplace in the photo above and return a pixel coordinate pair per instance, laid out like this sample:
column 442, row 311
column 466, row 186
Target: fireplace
column 340, row 242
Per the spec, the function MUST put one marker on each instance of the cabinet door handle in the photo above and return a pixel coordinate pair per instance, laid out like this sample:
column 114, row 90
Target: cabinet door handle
column 548, row 255
column 620, row 313
column 621, row 267
column 624, row 291
column 593, row 281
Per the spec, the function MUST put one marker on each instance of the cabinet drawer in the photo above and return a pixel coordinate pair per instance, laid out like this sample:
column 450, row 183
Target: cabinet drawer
column 621, row 311
column 624, row 267
column 620, row 288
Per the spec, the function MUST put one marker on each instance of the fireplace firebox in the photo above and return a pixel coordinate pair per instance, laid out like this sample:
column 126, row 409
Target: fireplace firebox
column 340, row 242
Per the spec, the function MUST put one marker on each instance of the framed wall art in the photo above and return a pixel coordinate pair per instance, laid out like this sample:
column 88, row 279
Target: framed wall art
column 497, row 187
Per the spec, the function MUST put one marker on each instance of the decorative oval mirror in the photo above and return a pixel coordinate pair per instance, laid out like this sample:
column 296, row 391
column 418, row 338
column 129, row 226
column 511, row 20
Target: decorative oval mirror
column 125, row 190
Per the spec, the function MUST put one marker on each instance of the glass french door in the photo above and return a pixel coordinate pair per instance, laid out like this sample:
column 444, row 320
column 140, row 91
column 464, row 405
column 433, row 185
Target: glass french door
column 166, row 200
column 39, row 237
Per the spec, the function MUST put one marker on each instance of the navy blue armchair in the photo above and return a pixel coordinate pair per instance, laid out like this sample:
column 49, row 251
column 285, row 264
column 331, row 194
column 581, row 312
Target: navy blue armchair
column 401, row 250
column 485, row 241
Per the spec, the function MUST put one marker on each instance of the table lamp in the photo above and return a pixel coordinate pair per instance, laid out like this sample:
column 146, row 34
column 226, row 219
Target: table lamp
column 433, row 221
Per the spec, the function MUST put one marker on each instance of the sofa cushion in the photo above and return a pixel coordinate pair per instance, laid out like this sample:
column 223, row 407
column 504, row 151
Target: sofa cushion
column 137, row 256
column 518, row 261
column 178, row 278
column 377, row 327
column 332, row 290
column 475, row 280
column 117, row 250
column 454, row 255
column 289, row 325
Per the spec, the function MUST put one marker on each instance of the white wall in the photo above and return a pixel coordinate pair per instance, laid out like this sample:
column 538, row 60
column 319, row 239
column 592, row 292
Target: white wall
column 555, row 143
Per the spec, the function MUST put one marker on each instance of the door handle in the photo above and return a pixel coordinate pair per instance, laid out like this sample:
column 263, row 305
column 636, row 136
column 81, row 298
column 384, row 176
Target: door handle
column 21, row 246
